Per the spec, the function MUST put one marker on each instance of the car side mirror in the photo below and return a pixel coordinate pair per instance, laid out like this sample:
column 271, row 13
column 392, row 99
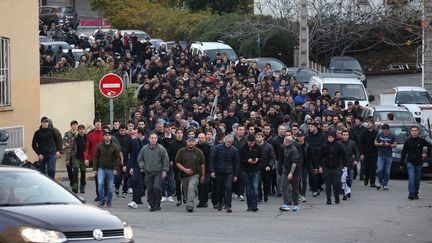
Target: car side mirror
column 371, row 98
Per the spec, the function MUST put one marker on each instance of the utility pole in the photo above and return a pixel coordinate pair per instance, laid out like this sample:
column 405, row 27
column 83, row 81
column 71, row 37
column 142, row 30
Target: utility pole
column 304, row 35
column 427, row 45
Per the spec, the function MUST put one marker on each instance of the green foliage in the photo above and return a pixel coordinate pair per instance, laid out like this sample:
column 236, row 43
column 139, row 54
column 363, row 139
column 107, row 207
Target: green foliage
column 123, row 104
column 221, row 6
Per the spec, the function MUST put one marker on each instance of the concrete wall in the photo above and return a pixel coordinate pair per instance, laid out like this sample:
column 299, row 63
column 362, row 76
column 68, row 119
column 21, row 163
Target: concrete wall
column 19, row 23
column 428, row 47
column 66, row 101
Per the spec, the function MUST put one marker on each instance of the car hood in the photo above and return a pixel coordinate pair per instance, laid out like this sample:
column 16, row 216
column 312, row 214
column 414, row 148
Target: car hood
column 64, row 218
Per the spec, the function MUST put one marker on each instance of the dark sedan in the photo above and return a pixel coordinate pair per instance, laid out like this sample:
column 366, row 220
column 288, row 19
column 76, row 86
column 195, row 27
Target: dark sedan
column 34, row 208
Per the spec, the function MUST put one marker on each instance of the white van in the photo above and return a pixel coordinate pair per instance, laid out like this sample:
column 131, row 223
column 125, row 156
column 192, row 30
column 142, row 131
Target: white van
column 212, row 48
column 349, row 85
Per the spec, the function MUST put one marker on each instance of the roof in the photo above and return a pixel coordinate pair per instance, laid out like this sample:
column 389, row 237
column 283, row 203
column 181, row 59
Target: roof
column 398, row 123
column 339, row 78
column 55, row 43
column 389, row 108
column 409, row 88
column 212, row 45
column 6, row 168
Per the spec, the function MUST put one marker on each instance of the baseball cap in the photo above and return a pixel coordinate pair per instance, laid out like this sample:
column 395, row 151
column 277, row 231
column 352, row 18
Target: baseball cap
column 301, row 134
column 44, row 119
column 190, row 139
column 107, row 132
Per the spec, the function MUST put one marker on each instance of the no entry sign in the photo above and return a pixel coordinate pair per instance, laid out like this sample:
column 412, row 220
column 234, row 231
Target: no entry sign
column 111, row 85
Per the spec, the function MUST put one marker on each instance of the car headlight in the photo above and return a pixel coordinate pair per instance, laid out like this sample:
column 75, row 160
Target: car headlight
column 42, row 235
column 128, row 232
column 417, row 113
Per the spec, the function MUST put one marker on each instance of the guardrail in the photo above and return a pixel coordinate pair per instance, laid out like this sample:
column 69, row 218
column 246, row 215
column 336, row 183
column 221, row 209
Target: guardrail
column 404, row 66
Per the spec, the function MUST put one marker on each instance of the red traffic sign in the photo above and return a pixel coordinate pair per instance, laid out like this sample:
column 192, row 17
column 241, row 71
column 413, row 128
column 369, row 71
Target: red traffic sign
column 111, row 85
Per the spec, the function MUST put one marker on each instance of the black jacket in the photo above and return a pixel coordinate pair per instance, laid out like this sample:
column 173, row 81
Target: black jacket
column 247, row 153
column 224, row 160
column 45, row 141
column 315, row 141
column 332, row 155
column 206, row 149
column 268, row 155
column 413, row 147
column 366, row 143
column 291, row 156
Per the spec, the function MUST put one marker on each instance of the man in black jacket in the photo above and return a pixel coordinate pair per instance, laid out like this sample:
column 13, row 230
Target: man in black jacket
column 267, row 163
column 413, row 147
column 47, row 146
column 250, row 158
column 174, row 147
column 203, row 188
column 332, row 160
column 277, row 142
column 125, row 141
column 291, row 175
column 369, row 153
column 315, row 139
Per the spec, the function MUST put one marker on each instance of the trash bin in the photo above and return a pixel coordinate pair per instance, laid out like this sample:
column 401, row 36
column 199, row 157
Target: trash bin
column 3, row 142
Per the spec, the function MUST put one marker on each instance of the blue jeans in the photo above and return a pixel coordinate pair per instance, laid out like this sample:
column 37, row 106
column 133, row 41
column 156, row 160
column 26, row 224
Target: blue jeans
column 168, row 184
column 105, row 176
column 383, row 169
column 48, row 165
column 251, row 182
column 414, row 175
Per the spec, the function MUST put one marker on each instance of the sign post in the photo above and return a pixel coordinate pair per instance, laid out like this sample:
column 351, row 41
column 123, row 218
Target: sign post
column 111, row 86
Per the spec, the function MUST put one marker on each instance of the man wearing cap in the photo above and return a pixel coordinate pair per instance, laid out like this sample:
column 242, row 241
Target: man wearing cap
column 190, row 161
column 47, row 146
column 250, row 171
column 105, row 164
column 67, row 142
column 94, row 137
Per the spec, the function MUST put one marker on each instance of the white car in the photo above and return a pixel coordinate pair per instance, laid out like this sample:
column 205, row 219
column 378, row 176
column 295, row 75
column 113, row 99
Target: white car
column 212, row 49
column 415, row 99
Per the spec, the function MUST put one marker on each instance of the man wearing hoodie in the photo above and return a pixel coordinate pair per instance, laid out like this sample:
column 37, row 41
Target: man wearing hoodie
column 332, row 161
column 47, row 146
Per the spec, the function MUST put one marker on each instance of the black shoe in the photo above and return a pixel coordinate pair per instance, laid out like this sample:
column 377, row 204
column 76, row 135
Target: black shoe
column 349, row 195
column 373, row 186
column 337, row 200
column 378, row 186
column 416, row 196
column 410, row 197
column 117, row 192
column 139, row 202
column 202, row 205
column 101, row 204
column 265, row 199
column 219, row 207
column 158, row 207
column 229, row 210
column 75, row 190
column 279, row 195
column 97, row 199
column 82, row 189
column 328, row 202
column 179, row 203
column 361, row 178
column 189, row 209
column 344, row 198
column 365, row 182
column 109, row 205
column 254, row 209
column 249, row 210
column 215, row 206
column 152, row 209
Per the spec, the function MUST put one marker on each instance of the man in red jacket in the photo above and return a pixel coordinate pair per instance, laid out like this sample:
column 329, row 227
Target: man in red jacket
column 94, row 137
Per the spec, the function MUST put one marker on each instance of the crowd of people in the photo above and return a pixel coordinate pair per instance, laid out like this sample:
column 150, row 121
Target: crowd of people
column 222, row 130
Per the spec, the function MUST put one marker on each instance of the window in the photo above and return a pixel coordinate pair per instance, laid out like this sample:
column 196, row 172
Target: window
column 5, row 83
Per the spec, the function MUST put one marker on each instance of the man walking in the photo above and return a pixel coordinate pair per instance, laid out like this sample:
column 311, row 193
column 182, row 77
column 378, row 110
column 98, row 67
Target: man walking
column 124, row 140
column 351, row 156
column 266, row 164
column 137, row 175
column 67, row 142
column 250, row 159
column 191, row 163
column 290, row 165
column 47, row 146
column 204, row 187
column 154, row 162
column 77, row 159
column 413, row 151
column 224, row 167
column 369, row 153
column 385, row 141
column 105, row 164
column 94, row 137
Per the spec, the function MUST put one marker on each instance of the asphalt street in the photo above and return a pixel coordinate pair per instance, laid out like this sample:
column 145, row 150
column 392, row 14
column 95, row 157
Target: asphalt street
column 369, row 216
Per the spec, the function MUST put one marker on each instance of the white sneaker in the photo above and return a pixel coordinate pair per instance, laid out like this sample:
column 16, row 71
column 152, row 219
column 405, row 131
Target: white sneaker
column 170, row 199
column 164, row 199
column 130, row 191
column 302, row 199
column 133, row 205
column 242, row 198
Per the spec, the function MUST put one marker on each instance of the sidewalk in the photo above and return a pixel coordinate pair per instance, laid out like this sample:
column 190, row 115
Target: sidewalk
column 61, row 175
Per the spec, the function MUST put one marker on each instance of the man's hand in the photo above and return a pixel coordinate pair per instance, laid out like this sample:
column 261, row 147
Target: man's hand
column 267, row 168
column 142, row 170
column 188, row 171
column 40, row 157
column 362, row 157
column 164, row 174
column 320, row 170
column 213, row 175
column 355, row 163
column 87, row 163
column 95, row 173
column 290, row 176
column 202, row 179
column 58, row 155
column 235, row 178
column 131, row 171
column 250, row 161
column 171, row 163
column 124, row 168
column 115, row 172
column 67, row 162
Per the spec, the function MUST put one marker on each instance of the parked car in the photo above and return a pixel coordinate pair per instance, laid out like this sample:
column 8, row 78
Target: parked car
column 104, row 30
column 43, row 39
column 415, row 99
column 349, row 85
column 380, row 112
column 346, row 64
column 212, row 49
column 167, row 45
column 138, row 33
column 304, row 75
column 34, row 208
column 401, row 130
column 156, row 43
column 276, row 64
column 59, row 15
column 55, row 46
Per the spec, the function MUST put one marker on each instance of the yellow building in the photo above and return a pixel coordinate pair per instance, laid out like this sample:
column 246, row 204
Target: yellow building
column 19, row 72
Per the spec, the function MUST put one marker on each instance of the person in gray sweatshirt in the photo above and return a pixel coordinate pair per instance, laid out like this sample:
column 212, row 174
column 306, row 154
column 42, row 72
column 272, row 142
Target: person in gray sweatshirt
column 154, row 162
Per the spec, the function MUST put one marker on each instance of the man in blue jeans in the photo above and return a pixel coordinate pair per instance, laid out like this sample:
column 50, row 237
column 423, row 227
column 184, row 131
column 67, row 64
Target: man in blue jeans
column 105, row 164
column 250, row 159
column 413, row 147
column 385, row 141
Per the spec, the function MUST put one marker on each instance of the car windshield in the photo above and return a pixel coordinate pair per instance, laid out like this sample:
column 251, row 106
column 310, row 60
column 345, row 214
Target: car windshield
column 27, row 188
column 402, row 133
column 232, row 56
column 66, row 9
column 413, row 97
column 304, row 76
column 349, row 91
column 275, row 65
column 345, row 65
column 398, row 116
